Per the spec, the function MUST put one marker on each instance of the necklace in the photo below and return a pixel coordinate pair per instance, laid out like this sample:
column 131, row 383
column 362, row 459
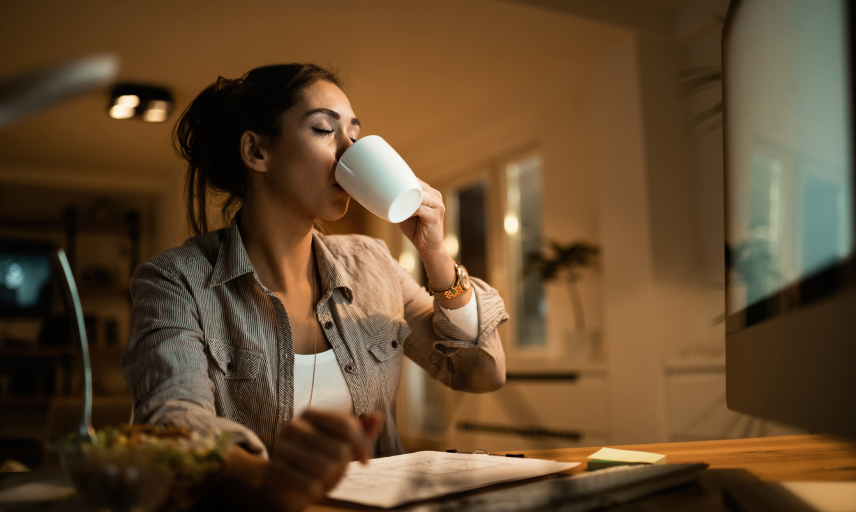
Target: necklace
column 314, row 336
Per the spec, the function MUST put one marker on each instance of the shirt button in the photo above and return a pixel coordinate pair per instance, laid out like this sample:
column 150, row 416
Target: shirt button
column 394, row 344
column 349, row 368
column 230, row 366
column 328, row 325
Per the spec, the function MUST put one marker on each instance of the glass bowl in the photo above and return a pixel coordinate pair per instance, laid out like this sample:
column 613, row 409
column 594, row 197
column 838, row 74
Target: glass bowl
column 119, row 482
column 141, row 468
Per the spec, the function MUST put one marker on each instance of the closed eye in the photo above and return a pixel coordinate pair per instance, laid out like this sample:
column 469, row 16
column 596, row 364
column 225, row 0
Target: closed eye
column 323, row 132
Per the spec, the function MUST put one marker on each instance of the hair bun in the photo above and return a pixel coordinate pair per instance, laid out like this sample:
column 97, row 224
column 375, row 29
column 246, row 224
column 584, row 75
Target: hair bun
column 226, row 86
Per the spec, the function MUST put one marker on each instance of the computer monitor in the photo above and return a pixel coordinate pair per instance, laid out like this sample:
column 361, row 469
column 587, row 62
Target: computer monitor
column 788, row 68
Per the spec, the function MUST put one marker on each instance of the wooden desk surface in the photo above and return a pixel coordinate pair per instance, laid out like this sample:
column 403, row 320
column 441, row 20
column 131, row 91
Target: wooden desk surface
column 772, row 459
column 807, row 457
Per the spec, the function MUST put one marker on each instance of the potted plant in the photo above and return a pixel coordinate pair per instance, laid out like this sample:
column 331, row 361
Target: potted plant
column 564, row 262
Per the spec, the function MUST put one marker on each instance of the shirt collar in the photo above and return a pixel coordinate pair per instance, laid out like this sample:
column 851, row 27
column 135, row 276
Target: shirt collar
column 232, row 262
column 232, row 259
column 331, row 274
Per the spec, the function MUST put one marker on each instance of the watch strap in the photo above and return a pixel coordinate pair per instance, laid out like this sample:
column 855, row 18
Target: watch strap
column 453, row 291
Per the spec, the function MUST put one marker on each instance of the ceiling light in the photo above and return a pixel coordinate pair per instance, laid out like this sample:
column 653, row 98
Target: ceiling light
column 155, row 115
column 146, row 102
column 121, row 112
column 128, row 100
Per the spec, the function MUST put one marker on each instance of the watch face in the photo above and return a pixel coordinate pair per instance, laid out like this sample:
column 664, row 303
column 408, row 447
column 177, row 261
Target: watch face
column 465, row 277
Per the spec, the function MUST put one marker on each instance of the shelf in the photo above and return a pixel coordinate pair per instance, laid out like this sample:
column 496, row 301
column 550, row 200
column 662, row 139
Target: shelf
column 37, row 352
column 104, row 291
column 25, row 400
column 110, row 351
column 119, row 227
column 60, row 352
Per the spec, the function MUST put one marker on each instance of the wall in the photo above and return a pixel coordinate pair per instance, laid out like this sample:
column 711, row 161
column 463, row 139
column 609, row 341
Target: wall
column 553, row 117
column 623, row 170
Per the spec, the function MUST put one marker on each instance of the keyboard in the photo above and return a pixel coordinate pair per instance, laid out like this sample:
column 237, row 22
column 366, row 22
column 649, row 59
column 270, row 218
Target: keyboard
column 587, row 491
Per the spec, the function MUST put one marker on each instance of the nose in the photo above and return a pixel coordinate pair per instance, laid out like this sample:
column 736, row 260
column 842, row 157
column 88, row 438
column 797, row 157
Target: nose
column 344, row 143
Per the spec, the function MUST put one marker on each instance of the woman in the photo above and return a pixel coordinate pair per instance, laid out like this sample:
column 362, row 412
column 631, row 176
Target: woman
column 291, row 340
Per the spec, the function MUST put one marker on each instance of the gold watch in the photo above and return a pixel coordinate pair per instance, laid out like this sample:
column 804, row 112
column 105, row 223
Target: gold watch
column 461, row 284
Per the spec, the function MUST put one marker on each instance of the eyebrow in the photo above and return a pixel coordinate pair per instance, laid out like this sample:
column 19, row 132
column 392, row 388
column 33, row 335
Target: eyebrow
column 331, row 113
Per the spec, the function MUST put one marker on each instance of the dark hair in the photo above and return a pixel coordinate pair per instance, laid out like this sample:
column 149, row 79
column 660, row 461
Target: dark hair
column 209, row 131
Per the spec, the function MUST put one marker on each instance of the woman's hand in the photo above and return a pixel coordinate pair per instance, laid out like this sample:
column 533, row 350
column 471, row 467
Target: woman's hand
column 312, row 455
column 425, row 230
column 307, row 461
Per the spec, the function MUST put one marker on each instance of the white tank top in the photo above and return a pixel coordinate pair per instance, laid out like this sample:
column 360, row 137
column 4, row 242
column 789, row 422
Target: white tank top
column 331, row 391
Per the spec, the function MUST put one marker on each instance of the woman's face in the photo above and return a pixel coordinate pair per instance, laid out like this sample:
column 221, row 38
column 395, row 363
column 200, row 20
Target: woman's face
column 301, row 164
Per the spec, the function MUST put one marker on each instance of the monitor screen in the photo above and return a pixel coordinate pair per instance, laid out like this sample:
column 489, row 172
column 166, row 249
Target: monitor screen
column 788, row 68
column 25, row 278
column 790, row 190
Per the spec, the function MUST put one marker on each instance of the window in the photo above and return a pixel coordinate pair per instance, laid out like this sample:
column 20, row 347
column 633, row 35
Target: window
column 466, row 240
column 523, row 226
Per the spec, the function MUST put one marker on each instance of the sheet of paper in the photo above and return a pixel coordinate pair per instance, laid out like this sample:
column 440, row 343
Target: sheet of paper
column 391, row 481
column 628, row 456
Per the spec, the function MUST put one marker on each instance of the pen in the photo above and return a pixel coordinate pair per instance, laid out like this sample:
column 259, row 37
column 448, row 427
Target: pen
column 476, row 452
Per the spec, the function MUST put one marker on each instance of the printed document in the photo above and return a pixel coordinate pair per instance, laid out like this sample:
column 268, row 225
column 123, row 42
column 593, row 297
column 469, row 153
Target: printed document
column 391, row 481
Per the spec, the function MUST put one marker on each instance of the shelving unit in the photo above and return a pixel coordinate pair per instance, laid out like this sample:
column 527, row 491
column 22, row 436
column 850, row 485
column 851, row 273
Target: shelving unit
column 53, row 370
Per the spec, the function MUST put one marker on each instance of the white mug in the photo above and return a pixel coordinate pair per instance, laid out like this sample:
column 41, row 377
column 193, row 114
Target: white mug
column 376, row 176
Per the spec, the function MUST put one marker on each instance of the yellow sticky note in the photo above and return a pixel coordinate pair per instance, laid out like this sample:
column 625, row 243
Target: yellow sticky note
column 628, row 456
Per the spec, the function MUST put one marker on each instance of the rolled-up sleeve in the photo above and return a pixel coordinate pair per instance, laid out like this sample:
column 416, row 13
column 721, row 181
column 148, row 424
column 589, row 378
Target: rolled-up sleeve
column 165, row 363
column 447, row 353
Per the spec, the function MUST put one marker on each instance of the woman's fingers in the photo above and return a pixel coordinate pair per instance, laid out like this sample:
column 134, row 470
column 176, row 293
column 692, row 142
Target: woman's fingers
column 318, row 465
column 304, row 433
column 289, row 489
column 431, row 197
column 344, row 427
column 425, row 227
column 428, row 215
column 371, row 423
column 314, row 452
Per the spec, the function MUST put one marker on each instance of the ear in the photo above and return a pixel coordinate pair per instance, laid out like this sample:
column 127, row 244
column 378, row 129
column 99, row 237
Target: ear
column 254, row 151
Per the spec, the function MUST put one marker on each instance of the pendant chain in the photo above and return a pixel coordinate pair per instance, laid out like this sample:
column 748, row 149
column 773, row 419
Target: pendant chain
column 314, row 336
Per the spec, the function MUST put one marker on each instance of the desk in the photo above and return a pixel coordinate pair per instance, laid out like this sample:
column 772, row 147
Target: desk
column 772, row 459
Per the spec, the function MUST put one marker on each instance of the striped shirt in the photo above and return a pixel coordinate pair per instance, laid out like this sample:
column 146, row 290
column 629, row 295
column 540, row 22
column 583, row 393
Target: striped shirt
column 211, row 347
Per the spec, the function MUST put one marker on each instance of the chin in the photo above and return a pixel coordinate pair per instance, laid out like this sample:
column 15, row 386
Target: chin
column 335, row 211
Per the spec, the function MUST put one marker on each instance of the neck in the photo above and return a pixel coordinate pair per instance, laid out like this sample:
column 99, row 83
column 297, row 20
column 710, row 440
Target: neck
column 279, row 245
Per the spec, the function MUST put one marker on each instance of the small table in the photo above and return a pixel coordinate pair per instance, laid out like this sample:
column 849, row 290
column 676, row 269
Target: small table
column 770, row 459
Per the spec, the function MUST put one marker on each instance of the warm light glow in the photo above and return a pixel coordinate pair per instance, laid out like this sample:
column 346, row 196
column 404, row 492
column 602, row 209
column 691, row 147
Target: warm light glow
column 159, row 105
column 511, row 224
column 155, row 115
column 121, row 111
column 128, row 100
column 407, row 261
column 452, row 245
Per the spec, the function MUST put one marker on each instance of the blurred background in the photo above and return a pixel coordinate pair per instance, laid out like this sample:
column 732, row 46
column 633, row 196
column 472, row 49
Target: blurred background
column 577, row 143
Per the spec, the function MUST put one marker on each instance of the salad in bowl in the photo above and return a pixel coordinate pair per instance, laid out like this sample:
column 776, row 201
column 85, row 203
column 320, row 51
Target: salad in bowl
column 144, row 468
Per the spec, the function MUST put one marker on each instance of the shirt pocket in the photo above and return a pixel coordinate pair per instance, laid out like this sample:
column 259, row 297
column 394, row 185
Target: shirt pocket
column 235, row 362
column 388, row 341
